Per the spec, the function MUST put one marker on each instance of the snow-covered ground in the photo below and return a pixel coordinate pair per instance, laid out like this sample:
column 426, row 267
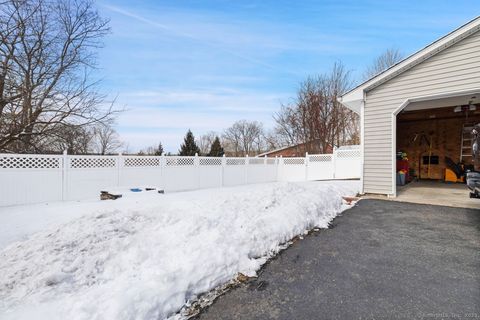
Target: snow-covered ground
column 146, row 255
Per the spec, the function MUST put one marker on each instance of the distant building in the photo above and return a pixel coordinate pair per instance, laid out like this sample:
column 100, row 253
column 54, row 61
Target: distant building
column 298, row 150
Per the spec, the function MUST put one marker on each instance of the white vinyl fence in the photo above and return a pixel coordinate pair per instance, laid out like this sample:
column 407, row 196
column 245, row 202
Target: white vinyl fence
column 26, row 178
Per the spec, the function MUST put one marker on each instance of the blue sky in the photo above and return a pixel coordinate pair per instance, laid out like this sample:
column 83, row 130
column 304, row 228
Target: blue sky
column 202, row 65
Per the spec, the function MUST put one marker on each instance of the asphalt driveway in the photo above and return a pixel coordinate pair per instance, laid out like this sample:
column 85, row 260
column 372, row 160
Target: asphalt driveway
column 381, row 260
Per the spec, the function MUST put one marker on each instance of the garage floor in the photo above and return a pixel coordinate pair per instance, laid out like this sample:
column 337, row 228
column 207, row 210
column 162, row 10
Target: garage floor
column 437, row 193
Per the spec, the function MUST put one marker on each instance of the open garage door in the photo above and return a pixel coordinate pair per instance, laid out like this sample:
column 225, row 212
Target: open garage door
column 434, row 148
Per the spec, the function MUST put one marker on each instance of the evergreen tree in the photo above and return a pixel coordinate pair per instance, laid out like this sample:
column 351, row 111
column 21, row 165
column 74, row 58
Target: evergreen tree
column 159, row 150
column 189, row 147
column 216, row 150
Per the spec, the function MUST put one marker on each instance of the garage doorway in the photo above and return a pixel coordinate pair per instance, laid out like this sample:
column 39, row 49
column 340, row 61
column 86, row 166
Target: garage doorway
column 433, row 149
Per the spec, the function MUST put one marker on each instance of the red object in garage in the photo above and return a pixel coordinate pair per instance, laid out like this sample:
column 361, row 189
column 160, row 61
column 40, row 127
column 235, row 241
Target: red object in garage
column 403, row 165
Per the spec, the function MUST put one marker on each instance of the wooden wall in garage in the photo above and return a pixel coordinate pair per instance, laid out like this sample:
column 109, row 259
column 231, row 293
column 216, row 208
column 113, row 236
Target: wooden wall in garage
column 441, row 126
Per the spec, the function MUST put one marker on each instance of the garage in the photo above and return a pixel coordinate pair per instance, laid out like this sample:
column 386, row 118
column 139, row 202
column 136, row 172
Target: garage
column 434, row 141
column 417, row 117
column 434, row 150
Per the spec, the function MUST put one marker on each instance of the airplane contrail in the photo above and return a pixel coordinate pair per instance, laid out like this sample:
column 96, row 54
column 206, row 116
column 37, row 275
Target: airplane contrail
column 190, row 36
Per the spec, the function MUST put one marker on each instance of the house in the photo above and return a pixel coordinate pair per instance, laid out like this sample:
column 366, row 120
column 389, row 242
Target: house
column 423, row 106
column 298, row 150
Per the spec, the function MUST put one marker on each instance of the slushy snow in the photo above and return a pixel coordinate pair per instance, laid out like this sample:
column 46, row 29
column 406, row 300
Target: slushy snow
column 147, row 255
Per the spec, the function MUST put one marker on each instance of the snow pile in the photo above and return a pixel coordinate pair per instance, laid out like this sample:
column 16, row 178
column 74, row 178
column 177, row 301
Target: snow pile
column 146, row 256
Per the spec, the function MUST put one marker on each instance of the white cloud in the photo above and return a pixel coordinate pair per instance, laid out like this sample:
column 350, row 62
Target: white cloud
column 206, row 100
column 207, row 34
column 253, row 40
column 165, row 115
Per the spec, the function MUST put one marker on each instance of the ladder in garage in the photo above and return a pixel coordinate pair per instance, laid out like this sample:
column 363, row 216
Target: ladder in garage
column 466, row 145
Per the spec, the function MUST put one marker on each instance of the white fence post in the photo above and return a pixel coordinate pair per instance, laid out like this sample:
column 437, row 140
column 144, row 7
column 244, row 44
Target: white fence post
column 276, row 168
column 224, row 163
column 246, row 169
column 119, row 167
column 306, row 166
column 280, row 167
column 265, row 168
column 163, row 164
column 334, row 161
column 196, row 164
column 64, row 175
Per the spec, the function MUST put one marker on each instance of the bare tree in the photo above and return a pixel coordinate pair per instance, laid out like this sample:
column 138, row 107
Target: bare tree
column 244, row 138
column 73, row 139
column 315, row 117
column 383, row 62
column 272, row 141
column 232, row 141
column 205, row 141
column 47, row 53
column 126, row 148
column 286, row 129
column 107, row 140
column 152, row 150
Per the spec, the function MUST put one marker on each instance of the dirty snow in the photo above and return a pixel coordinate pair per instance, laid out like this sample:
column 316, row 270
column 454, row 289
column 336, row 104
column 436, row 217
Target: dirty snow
column 146, row 255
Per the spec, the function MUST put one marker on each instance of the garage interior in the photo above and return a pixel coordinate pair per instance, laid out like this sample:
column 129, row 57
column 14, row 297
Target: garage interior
column 434, row 147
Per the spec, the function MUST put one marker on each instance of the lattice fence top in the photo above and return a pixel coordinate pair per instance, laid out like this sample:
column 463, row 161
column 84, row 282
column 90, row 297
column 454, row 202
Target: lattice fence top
column 271, row 161
column 235, row 161
column 142, row 162
column 348, row 154
column 293, row 160
column 177, row 161
column 256, row 161
column 30, row 162
column 320, row 158
column 210, row 161
column 92, row 162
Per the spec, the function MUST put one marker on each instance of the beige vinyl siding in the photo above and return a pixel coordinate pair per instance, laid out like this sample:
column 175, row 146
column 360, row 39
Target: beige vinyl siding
column 456, row 68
